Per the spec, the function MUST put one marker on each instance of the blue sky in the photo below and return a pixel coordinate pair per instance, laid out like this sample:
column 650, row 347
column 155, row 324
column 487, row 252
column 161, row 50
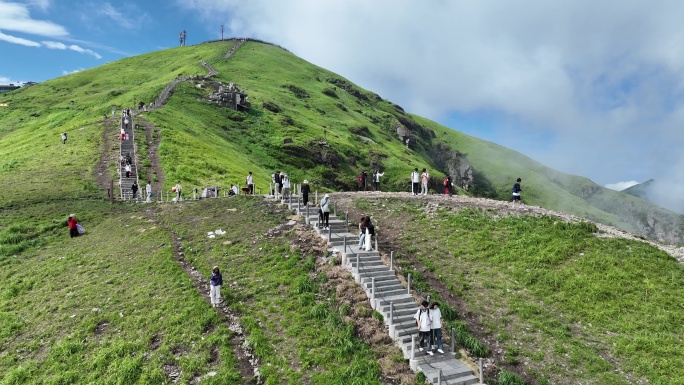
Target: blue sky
column 590, row 88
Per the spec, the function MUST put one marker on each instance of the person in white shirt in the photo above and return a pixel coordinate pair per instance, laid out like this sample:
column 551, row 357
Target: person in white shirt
column 250, row 183
column 436, row 326
column 423, row 321
column 148, row 191
column 376, row 179
column 286, row 187
column 415, row 181
column 424, row 177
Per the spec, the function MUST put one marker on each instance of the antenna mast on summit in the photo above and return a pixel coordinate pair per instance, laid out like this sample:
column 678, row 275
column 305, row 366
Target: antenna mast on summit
column 183, row 35
column 222, row 31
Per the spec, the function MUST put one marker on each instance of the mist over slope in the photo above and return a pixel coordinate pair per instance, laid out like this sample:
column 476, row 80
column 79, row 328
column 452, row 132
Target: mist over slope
column 306, row 121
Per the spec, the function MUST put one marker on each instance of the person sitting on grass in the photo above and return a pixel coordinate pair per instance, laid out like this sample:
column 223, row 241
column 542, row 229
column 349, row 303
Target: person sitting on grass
column 71, row 223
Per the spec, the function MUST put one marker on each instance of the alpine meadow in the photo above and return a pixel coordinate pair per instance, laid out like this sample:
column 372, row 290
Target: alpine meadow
column 545, row 294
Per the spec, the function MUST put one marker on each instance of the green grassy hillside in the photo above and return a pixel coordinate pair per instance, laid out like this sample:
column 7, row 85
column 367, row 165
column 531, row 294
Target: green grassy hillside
column 116, row 306
column 559, row 303
column 204, row 144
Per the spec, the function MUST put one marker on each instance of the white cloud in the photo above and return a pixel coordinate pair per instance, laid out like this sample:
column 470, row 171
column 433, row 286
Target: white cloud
column 54, row 45
column 18, row 40
column 602, row 84
column 41, row 4
column 83, row 50
column 127, row 16
column 619, row 186
column 15, row 17
column 73, row 47
column 65, row 72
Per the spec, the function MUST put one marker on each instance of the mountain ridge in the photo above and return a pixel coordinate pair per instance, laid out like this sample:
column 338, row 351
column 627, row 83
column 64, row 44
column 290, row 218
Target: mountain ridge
column 336, row 129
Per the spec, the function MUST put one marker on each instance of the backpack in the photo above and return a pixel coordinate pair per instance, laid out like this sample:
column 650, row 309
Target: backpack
column 360, row 177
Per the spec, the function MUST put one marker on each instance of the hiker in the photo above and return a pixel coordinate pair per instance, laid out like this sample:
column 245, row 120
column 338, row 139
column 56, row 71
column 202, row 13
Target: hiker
column 360, row 179
column 277, row 182
column 231, row 192
column 363, row 225
column 215, row 282
column 516, row 192
column 447, row 185
column 250, row 183
column 364, row 177
column 305, row 192
column 148, row 190
column 273, row 184
column 64, row 137
column 436, row 328
column 178, row 189
column 134, row 189
column 123, row 134
column 415, row 181
column 376, row 179
column 423, row 321
column 129, row 160
column 424, row 177
column 122, row 160
column 325, row 210
column 71, row 224
column 128, row 170
column 285, row 181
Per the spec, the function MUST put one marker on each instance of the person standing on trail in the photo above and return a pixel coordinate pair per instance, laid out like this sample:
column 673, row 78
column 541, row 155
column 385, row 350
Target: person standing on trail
column 424, row 178
column 376, row 179
column 305, row 192
column 286, row 186
column 250, row 183
column 325, row 210
column 215, row 282
column 128, row 170
column 364, row 178
column 134, row 189
column 436, row 328
column 415, row 181
column 123, row 134
column 363, row 225
column 447, row 185
column 273, row 183
column 148, row 191
column 423, row 321
column 179, row 190
column 516, row 192
column 64, row 137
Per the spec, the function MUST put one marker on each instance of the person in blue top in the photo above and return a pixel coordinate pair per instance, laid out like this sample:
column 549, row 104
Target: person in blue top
column 516, row 192
column 215, row 282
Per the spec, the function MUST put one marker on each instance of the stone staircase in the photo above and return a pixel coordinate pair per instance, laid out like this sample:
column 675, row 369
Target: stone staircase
column 128, row 147
column 389, row 297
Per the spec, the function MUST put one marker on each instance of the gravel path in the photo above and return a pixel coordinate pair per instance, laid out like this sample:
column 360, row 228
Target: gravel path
column 506, row 208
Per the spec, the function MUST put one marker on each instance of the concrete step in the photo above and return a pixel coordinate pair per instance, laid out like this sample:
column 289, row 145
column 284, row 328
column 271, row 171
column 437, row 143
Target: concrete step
column 383, row 286
column 390, row 277
column 367, row 263
column 451, row 370
column 400, row 301
column 386, row 294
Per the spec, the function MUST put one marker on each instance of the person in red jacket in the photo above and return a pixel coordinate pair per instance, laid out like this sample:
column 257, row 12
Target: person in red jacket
column 71, row 223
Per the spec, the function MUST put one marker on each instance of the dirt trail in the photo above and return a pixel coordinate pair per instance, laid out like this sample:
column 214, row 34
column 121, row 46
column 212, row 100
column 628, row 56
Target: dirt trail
column 247, row 364
column 107, row 154
column 505, row 208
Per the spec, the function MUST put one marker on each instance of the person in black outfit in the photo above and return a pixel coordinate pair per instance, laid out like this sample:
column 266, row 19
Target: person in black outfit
column 364, row 177
column 305, row 191
column 134, row 189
